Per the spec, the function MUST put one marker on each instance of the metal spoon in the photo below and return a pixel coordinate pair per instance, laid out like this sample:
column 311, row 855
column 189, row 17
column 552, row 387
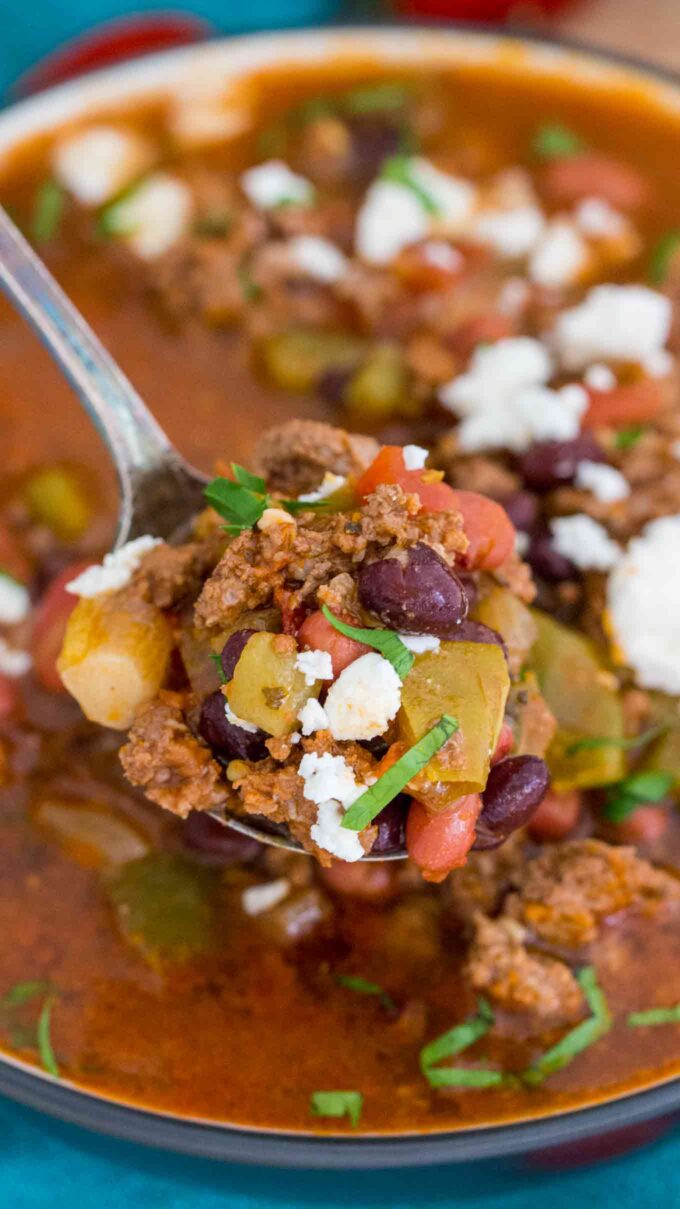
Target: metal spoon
column 159, row 489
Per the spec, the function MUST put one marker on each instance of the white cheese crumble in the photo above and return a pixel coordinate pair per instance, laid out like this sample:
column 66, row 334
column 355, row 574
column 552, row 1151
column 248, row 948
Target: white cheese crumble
column 154, row 216
column 584, row 542
column 364, row 699
column 642, row 605
column 114, row 571
column 258, row 899
column 236, row 721
column 522, row 543
column 390, row 218
column 420, row 643
column 271, row 517
column 599, row 377
column 15, row 601
column 511, row 233
column 513, row 296
column 13, row 663
column 273, row 184
column 96, row 164
column 312, row 717
column 442, row 256
column 614, row 322
column 314, row 665
column 606, row 482
column 559, row 257
column 453, row 197
column 415, row 457
column 329, row 833
column 658, row 364
column 329, row 781
column 598, row 220
column 318, row 257
column 329, row 483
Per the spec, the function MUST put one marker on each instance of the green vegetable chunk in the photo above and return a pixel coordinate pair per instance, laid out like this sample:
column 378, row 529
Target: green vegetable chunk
column 164, row 906
column 380, row 387
column 267, row 689
column 553, row 141
column 337, row 1104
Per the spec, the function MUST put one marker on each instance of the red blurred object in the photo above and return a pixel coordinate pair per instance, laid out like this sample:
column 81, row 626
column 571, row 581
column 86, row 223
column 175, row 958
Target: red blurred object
column 112, row 43
column 473, row 10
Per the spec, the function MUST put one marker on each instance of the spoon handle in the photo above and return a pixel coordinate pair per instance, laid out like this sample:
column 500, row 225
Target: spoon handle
column 140, row 450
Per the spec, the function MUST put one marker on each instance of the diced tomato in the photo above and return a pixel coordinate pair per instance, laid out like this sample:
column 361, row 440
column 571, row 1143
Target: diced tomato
column 634, row 403
column 483, row 329
column 9, row 697
column 646, row 825
column 422, row 271
column 49, row 627
column 438, row 843
column 488, row 528
column 12, row 558
column 589, row 174
column 504, row 744
column 388, row 467
column 319, row 635
column 556, row 816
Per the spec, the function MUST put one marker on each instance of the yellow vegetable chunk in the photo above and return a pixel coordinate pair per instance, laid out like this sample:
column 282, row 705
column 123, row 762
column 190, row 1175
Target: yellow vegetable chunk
column 380, row 389
column 267, row 689
column 114, row 659
column 296, row 359
column 56, row 497
column 664, row 756
column 583, row 695
column 503, row 612
column 469, row 681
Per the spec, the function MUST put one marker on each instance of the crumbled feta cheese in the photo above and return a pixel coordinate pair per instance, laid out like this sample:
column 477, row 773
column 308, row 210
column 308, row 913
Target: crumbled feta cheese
column 598, row 220
column 236, row 721
column 273, row 184
column 326, row 776
column 584, row 542
column 675, row 449
column 97, row 163
column 614, row 322
column 295, row 737
column 15, row 601
column 658, row 364
column 115, row 570
column 420, row 643
column 415, row 457
column 391, row 217
column 312, row 717
column 599, row 377
column 606, row 482
column 319, row 258
column 364, row 699
column 330, row 483
column 13, row 663
column 440, row 254
column 153, row 216
column 329, row 833
column 271, row 517
column 559, row 256
column 642, row 605
column 511, row 233
column 513, row 296
column 314, row 665
column 522, row 543
column 453, row 196
column 258, row 899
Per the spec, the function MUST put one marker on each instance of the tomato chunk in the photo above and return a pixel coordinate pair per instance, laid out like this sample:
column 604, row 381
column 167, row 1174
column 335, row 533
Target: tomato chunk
column 488, row 528
column 438, row 843
column 49, row 627
column 556, row 816
column 388, row 467
column 646, row 825
column 424, row 266
column 482, row 329
column 635, row 403
column 319, row 635
column 590, row 174
column 9, row 697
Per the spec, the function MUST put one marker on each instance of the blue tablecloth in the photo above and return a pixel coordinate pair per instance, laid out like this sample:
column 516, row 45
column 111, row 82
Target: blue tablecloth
column 47, row 1164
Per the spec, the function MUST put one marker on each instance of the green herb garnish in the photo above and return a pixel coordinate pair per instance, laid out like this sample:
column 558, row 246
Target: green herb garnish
column 376, row 98
column 362, row 986
column 38, row 1035
column 244, row 478
column 469, row 1076
column 377, row 796
column 653, row 1016
column 47, row 211
column 662, row 255
column 242, row 500
column 630, row 744
column 386, row 641
column 22, row 992
column 399, row 170
column 337, row 1104
column 636, row 790
column 577, row 1039
column 213, row 226
column 458, row 1038
column 553, row 141
column 251, row 290
column 45, row 1038
column 217, row 660
column 627, row 437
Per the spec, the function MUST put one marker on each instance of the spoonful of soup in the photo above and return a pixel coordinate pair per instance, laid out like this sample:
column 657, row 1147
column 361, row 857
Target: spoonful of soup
column 310, row 649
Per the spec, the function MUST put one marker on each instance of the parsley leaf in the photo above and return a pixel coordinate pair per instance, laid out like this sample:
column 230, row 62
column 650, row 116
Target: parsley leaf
column 386, row 641
column 337, row 1104
column 354, row 982
column 22, row 992
column 252, row 481
column 217, row 660
column 47, row 211
column 399, row 170
column 469, row 1076
column 669, row 1015
column 636, row 790
column 240, row 506
column 364, row 810
column 631, row 744
column 458, row 1038
column 577, row 1039
column 662, row 255
column 45, row 1038
column 627, row 437
column 382, row 97
column 554, row 140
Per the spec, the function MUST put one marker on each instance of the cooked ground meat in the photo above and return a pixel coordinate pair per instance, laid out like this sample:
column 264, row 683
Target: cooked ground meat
column 500, row 965
column 172, row 766
column 474, row 472
column 293, row 457
column 167, row 575
column 572, row 888
column 483, row 882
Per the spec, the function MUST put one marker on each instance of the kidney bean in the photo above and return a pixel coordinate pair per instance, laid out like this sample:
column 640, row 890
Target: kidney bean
column 232, row 651
column 513, row 792
column 374, row 139
column 469, row 587
column 391, row 823
column 556, row 816
column 217, row 844
column 547, row 562
column 438, row 843
column 333, row 382
column 419, row 596
column 227, row 740
column 476, row 631
column 523, row 510
column 550, row 464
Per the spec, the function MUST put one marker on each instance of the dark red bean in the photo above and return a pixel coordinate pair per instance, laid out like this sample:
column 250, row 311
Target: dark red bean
column 232, row 651
column 218, row 844
column 333, row 383
column 226, row 740
column 391, row 824
column 523, row 509
column 547, row 562
column 476, row 631
column 553, row 463
column 514, row 790
column 419, row 595
column 470, row 588
column 374, row 139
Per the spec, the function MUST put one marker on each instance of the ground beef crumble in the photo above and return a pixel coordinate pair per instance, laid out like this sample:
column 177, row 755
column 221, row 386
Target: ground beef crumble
column 293, row 457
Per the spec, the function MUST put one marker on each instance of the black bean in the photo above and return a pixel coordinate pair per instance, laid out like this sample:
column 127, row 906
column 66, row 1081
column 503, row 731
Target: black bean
column 553, row 463
column 391, row 824
column 232, row 651
column 514, row 790
column 417, row 595
column 547, row 562
column 523, row 509
column 227, row 740
column 218, row 844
